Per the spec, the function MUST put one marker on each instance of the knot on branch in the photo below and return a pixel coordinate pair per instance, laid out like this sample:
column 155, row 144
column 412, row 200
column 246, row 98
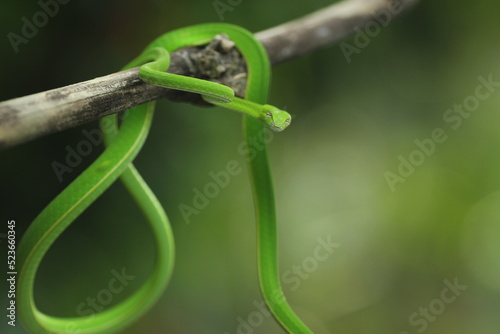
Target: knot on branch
column 218, row 61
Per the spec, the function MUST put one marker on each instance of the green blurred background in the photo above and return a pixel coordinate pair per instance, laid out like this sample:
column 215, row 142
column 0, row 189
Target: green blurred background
column 352, row 123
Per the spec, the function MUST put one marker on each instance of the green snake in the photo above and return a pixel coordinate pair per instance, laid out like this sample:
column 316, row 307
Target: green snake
column 123, row 143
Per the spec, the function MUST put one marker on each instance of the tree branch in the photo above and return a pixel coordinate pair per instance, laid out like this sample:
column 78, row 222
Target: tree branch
column 32, row 116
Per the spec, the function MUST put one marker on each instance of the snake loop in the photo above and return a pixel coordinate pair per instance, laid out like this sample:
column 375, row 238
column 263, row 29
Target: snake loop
column 123, row 144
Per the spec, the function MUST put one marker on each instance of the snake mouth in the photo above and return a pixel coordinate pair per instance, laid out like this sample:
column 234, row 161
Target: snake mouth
column 283, row 125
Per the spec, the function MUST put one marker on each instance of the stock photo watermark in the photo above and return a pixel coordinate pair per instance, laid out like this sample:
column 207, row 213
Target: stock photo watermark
column 371, row 29
column 11, row 272
column 453, row 118
column 96, row 303
column 298, row 273
column 291, row 279
column 30, row 26
column 221, row 179
column 223, row 6
column 93, row 138
column 420, row 319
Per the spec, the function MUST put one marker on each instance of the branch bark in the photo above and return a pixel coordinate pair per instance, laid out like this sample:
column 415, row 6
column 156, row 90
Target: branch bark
column 33, row 116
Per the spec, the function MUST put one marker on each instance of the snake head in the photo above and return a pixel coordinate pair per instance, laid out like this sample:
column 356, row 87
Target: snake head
column 275, row 118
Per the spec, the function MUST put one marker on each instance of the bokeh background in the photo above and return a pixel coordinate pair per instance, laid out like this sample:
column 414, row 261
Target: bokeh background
column 398, row 248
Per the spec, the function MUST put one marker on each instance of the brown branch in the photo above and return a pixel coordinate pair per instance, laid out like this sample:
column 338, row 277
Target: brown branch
column 32, row 116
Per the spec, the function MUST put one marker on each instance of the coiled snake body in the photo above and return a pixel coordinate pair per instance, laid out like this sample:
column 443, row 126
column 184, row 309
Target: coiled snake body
column 123, row 144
